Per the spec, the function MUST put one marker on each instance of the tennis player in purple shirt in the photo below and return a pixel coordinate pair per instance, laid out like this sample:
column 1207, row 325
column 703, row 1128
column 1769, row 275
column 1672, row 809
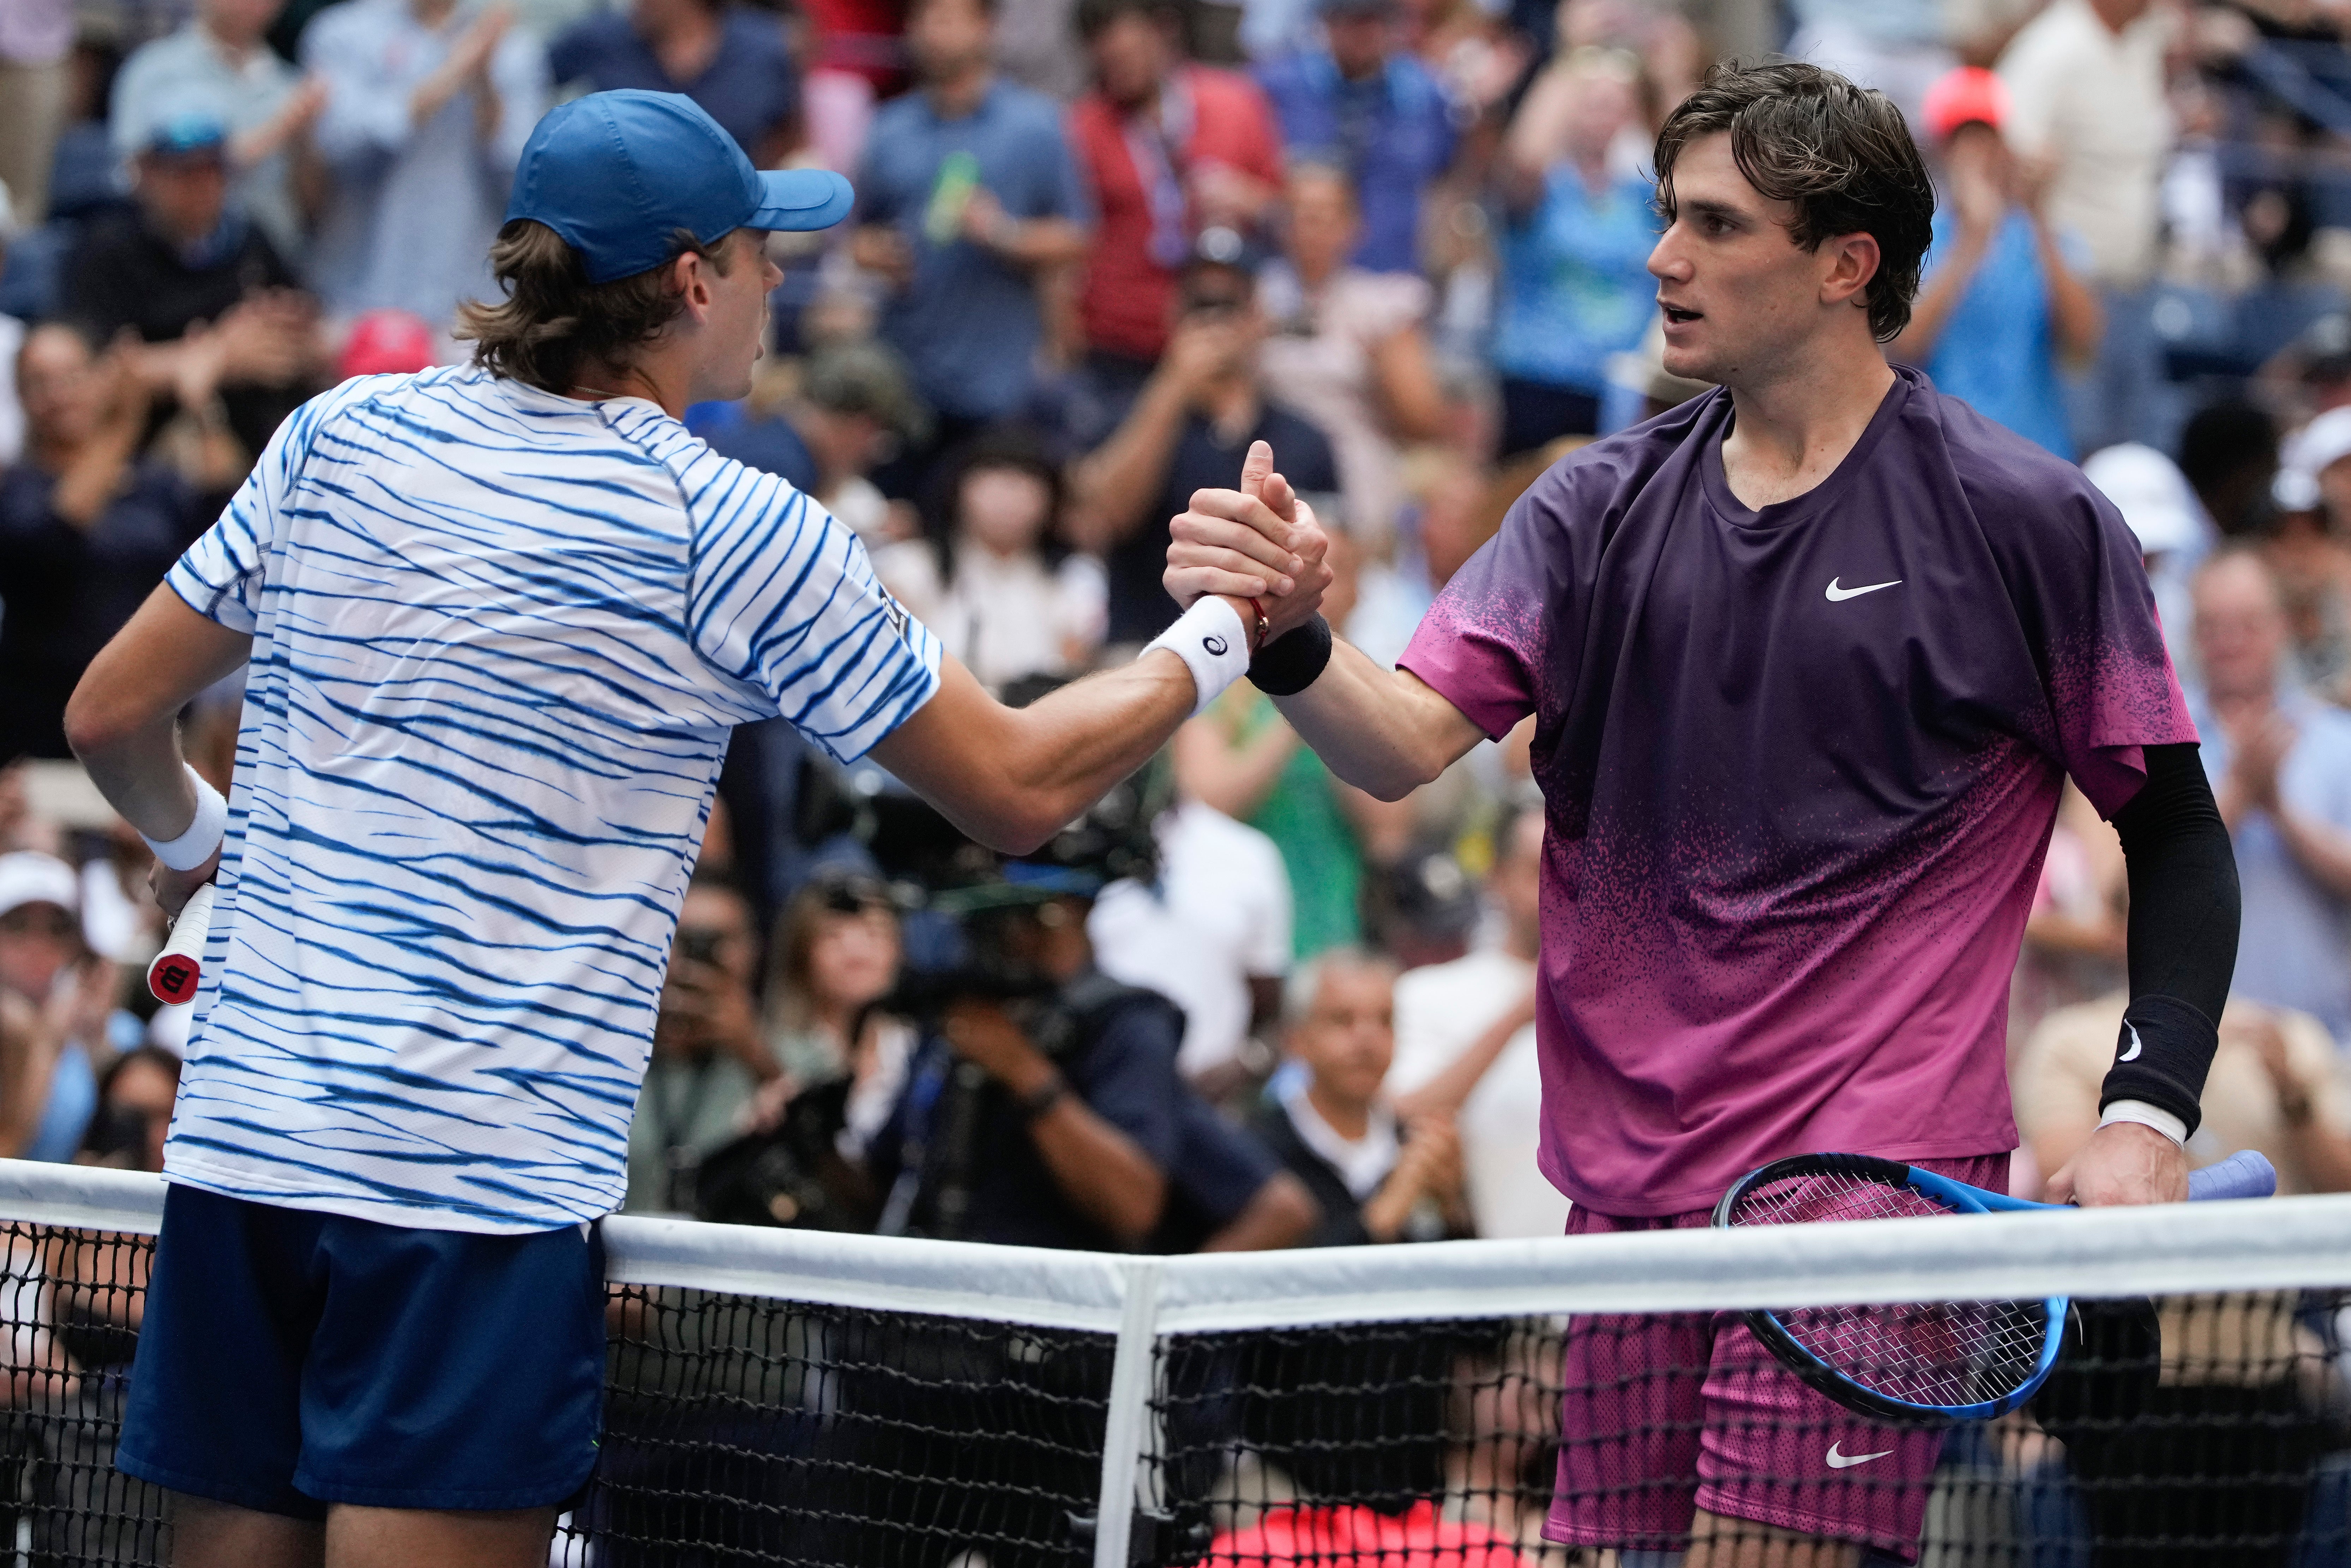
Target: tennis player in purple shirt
column 1810, row 659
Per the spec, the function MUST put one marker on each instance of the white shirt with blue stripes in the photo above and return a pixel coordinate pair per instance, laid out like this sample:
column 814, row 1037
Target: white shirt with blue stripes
column 499, row 639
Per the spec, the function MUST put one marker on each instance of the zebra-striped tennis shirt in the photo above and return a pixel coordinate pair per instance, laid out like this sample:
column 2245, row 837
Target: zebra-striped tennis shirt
column 499, row 639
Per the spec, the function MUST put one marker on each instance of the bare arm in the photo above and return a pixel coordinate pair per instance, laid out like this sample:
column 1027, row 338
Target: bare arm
column 2074, row 309
column 123, row 721
column 1444, row 1094
column 2320, row 848
column 1281, row 1214
column 1233, row 776
column 1112, row 487
column 1415, row 405
column 1032, row 244
column 1532, row 145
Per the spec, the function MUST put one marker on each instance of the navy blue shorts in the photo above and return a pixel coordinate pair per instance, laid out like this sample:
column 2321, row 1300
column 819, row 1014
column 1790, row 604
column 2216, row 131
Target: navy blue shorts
column 290, row 1359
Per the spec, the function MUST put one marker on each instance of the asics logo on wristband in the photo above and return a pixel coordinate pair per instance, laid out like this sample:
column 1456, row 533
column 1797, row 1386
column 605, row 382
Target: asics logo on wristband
column 1217, row 646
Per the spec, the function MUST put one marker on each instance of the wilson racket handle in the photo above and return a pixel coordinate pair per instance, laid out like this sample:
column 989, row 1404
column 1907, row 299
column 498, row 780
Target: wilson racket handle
column 179, row 968
column 2245, row 1173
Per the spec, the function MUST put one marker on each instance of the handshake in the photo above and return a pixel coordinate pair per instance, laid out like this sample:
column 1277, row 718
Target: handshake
column 1259, row 547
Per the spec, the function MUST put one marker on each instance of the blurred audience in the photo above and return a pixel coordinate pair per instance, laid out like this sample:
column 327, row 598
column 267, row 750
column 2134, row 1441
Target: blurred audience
column 1574, row 286
column 35, row 38
column 834, row 959
column 2000, row 309
column 221, row 60
column 55, row 997
column 134, row 1111
column 994, row 582
column 2280, row 767
column 970, row 209
column 1170, row 150
column 1346, row 349
column 1465, row 1048
column 1189, row 428
column 733, row 60
column 87, row 526
column 1363, row 105
column 428, row 103
column 850, row 410
column 1376, row 1177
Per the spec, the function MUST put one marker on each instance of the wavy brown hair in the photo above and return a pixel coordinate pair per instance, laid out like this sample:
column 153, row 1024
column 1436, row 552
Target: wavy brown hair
column 1839, row 153
column 552, row 318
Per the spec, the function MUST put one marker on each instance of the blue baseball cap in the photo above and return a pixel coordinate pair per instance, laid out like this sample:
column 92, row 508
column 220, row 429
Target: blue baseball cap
column 617, row 173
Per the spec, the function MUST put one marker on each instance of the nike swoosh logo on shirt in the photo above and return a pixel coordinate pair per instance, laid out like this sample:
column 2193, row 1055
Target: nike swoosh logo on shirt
column 1846, row 1461
column 2132, row 1054
column 1837, row 594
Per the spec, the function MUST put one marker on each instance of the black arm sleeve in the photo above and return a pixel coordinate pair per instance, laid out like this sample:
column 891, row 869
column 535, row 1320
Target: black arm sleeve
column 2183, row 934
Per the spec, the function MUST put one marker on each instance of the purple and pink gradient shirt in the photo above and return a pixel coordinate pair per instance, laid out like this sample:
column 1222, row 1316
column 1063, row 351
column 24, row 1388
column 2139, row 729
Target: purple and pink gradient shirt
column 1799, row 769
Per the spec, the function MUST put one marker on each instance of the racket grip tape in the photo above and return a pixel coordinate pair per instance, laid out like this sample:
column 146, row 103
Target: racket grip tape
column 2245, row 1173
column 179, row 968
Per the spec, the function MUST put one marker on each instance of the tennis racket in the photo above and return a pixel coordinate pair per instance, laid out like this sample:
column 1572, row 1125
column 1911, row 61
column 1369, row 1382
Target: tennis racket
column 1925, row 1362
column 179, row 968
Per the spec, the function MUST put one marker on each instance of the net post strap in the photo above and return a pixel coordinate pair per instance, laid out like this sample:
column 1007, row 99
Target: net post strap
column 1125, row 1430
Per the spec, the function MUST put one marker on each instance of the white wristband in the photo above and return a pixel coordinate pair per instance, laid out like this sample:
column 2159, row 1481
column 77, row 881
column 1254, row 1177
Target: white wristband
column 1214, row 645
column 195, row 847
column 2145, row 1115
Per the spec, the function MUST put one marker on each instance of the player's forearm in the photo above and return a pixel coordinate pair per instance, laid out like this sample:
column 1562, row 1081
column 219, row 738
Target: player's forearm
column 1013, row 779
column 1382, row 730
column 122, row 719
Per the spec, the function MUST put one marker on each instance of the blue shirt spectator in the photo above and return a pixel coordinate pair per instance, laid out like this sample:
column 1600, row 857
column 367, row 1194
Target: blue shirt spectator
column 1574, row 286
column 428, row 105
column 743, row 74
column 969, row 188
column 1366, row 105
column 2001, row 302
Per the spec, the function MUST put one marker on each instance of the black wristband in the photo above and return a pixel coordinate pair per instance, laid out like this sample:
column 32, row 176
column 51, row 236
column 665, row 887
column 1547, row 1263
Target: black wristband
column 1043, row 1098
column 2161, row 1055
column 1292, row 662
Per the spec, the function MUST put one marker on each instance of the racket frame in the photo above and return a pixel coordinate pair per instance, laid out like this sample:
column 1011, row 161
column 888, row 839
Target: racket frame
column 1957, row 1198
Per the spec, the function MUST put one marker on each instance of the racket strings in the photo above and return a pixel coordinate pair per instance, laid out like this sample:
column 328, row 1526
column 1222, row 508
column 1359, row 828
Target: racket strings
column 1945, row 1353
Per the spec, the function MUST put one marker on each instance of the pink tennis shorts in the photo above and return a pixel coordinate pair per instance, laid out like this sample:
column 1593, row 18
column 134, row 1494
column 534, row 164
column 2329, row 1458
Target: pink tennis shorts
column 1664, row 1414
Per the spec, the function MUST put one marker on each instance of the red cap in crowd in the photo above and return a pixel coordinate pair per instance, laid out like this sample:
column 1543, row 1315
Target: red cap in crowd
column 387, row 343
column 1968, row 96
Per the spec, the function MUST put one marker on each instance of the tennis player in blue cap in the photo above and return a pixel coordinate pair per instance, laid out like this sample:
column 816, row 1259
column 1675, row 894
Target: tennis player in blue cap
column 499, row 621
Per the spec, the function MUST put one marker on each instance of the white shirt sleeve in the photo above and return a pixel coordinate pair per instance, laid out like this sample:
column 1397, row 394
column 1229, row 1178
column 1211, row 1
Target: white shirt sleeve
column 784, row 600
column 222, row 574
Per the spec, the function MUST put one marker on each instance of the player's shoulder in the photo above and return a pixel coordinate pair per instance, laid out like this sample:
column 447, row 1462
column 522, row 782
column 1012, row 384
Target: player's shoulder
column 1600, row 478
column 2018, row 491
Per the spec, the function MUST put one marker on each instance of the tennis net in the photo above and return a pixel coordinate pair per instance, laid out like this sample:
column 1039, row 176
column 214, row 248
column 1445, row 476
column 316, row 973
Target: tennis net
column 788, row 1397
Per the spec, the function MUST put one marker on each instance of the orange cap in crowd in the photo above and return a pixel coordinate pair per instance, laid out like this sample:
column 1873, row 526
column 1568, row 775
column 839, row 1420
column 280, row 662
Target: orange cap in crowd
column 1968, row 96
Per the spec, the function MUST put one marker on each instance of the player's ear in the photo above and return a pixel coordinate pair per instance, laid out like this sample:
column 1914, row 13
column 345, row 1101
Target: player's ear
column 1848, row 263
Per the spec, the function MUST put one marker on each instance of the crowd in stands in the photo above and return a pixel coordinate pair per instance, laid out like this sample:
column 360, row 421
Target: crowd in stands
column 1098, row 249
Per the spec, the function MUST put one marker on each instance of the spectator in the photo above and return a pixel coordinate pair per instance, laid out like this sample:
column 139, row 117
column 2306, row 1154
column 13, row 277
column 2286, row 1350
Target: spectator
column 1211, row 933
column 2274, row 1086
column 1226, row 1192
column 428, row 105
column 222, row 58
column 2281, row 768
column 733, row 60
column 1464, row 1035
column 709, row 1056
column 55, row 997
column 134, row 1111
column 12, row 338
column 1376, row 1180
column 387, row 343
column 2085, row 82
column 1171, row 149
column 969, row 206
column 1574, row 286
column 2308, row 545
column 86, row 528
column 835, row 955
column 1191, row 425
column 2229, row 455
column 35, row 36
column 853, row 411
column 2154, row 497
column 1000, row 594
column 1367, row 107
column 2000, row 306
column 203, row 288
column 1898, row 48
column 1347, row 349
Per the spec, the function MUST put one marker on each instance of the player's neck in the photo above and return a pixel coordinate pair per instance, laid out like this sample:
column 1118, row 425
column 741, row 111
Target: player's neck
column 1790, row 432
column 651, row 378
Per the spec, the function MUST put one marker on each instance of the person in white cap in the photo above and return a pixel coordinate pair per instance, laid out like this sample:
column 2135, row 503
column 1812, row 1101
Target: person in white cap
column 2308, row 551
column 501, row 619
column 2161, row 507
column 51, row 1002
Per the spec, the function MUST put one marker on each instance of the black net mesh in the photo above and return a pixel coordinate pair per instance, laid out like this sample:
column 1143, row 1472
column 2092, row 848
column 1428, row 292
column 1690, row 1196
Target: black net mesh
column 2205, row 1430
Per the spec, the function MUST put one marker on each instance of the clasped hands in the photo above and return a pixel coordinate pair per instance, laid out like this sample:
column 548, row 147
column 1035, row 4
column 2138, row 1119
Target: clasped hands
column 1260, row 542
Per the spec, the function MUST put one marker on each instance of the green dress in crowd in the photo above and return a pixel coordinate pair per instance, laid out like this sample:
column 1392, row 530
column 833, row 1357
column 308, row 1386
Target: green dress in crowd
column 1318, row 844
